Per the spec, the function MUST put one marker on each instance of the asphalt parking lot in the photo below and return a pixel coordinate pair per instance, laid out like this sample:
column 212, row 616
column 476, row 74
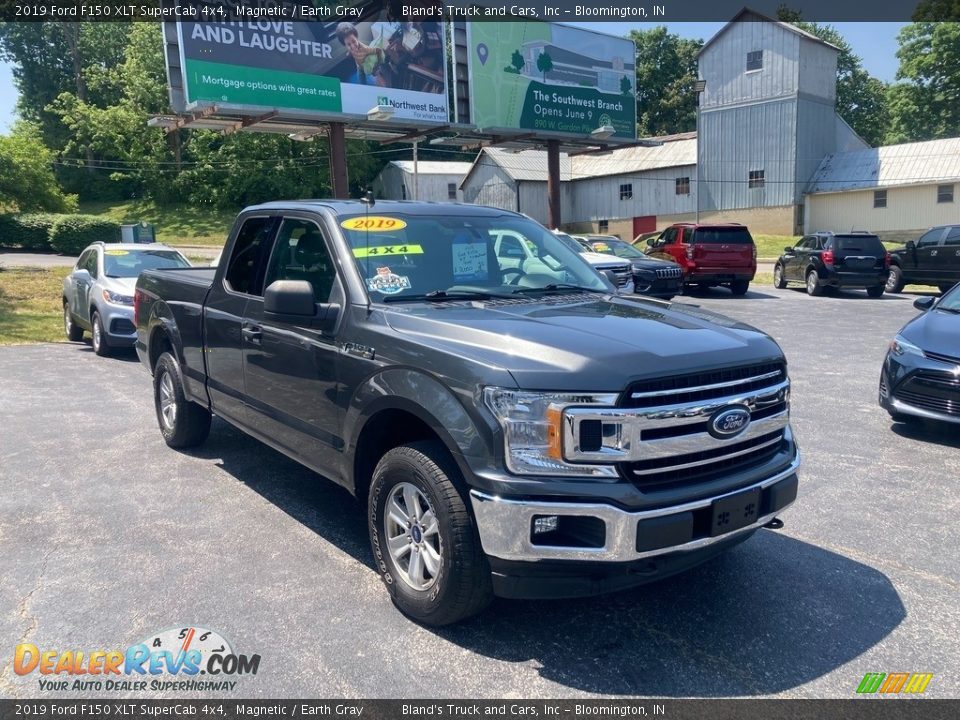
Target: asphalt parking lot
column 108, row 537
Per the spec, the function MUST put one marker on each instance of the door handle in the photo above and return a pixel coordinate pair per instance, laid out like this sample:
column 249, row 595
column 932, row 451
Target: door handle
column 253, row 334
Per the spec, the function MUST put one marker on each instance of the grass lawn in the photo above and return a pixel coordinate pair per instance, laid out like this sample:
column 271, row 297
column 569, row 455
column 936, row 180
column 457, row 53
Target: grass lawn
column 30, row 305
column 176, row 224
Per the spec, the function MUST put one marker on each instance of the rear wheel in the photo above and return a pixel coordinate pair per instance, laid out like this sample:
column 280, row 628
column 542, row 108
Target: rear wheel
column 876, row 291
column 183, row 423
column 813, row 284
column 739, row 287
column 779, row 281
column 73, row 331
column 424, row 542
column 895, row 281
column 99, row 340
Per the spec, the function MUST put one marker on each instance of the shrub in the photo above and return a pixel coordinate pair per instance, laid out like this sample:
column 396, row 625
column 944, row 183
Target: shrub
column 70, row 234
column 27, row 232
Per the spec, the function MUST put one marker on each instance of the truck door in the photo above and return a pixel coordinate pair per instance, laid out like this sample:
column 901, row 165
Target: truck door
column 242, row 280
column 926, row 256
column 290, row 372
column 950, row 270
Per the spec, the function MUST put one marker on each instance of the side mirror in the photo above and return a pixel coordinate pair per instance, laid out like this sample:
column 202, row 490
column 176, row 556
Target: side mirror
column 923, row 303
column 911, row 245
column 788, row 249
column 291, row 301
column 651, row 242
column 82, row 273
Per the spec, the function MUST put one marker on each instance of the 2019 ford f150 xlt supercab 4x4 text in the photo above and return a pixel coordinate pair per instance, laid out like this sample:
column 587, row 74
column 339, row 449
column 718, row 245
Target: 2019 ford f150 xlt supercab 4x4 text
column 512, row 433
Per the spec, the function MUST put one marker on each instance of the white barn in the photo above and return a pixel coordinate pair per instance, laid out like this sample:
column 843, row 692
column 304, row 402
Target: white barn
column 436, row 181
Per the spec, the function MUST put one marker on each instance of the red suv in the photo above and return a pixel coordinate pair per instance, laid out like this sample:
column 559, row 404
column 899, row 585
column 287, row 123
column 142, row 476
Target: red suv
column 709, row 254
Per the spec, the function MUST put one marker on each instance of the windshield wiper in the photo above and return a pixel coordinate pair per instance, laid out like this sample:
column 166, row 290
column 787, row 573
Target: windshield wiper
column 444, row 295
column 955, row 311
column 554, row 287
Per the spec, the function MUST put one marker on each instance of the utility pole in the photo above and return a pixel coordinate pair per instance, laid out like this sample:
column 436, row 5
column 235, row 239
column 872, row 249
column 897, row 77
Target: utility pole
column 553, row 183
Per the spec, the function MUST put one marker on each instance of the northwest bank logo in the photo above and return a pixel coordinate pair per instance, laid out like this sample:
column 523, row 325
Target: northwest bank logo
column 894, row 683
column 181, row 653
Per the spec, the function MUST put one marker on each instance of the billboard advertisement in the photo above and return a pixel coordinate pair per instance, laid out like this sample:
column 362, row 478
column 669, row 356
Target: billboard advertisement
column 551, row 78
column 344, row 66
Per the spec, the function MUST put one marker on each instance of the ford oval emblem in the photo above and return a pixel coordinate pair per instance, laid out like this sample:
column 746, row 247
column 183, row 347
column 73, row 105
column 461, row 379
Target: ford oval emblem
column 729, row 422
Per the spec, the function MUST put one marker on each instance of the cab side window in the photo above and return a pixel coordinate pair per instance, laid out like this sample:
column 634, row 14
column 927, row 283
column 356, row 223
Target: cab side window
column 930, row 238
column 669, row 236
column 301, row 253
column 953, row 236
column 245, row 271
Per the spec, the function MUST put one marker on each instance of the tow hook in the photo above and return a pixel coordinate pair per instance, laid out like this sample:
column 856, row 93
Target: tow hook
column 774, row 524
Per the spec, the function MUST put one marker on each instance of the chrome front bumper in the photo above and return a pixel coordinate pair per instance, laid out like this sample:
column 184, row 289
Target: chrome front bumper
column 505, row 525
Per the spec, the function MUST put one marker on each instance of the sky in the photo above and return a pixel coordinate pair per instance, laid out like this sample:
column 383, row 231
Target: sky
column 875, row 43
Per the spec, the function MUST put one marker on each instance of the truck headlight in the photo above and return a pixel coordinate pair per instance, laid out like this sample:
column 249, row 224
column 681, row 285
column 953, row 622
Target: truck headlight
column 532, row 431
column 116, row 298
column 901, row 346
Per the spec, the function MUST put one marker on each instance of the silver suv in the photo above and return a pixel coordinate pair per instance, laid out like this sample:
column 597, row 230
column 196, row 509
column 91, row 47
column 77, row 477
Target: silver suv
column 98, row 294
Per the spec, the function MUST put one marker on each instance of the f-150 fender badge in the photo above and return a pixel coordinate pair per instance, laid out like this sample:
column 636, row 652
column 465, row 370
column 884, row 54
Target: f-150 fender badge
column 729, row 422
column 350, row 348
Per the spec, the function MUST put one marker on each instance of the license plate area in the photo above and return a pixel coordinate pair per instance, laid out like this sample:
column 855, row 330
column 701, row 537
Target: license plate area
column 735, row 512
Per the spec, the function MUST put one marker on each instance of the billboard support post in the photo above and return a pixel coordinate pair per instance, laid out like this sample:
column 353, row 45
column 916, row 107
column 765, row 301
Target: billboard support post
column 338, row 162
column 553, row 182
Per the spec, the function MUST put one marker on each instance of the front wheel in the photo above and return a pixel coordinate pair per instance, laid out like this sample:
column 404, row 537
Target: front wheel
column 424, row 542
column 876, row 291
column 73, row 331
column 895, row 281
column 183, row 423
column 739, row 287
column 813, row 284
column 779, row 281
column 98, row 336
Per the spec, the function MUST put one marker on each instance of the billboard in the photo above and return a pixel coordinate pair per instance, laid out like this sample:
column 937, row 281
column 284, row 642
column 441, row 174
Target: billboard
column 551, row 78
column 345, row 66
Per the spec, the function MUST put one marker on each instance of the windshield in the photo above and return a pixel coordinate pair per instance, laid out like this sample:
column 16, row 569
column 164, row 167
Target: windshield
column 403, row 256
column 130, row 263
column 723, row 235
column 951, row 300
column 614, row 246
column 860, row 244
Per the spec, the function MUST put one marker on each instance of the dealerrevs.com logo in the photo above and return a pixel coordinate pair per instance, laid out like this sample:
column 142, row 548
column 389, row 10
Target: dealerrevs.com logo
column 178, row 659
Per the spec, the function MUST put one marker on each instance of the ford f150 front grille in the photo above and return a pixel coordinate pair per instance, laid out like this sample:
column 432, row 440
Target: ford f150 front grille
column 675, row 430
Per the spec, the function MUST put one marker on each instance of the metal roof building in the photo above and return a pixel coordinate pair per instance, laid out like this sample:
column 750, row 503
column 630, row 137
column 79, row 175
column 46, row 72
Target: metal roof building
column 435, row 180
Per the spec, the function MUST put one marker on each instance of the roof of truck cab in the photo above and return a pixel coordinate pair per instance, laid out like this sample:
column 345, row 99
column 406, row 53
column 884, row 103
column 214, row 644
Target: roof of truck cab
column 380, row 207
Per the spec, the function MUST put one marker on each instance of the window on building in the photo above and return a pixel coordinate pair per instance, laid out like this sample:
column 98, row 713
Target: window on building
column 944, row 193
column 683, row 186
column 626, row 191
column 603, row 226
column 879, row 198
column 755, row 60
column 756, row 179
column 451, row 191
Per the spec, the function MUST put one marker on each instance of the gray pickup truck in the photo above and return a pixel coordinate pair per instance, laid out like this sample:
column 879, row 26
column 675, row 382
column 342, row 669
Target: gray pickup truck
column 512, row 433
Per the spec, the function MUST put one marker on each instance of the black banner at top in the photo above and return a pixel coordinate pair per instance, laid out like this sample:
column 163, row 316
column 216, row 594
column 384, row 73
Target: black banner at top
column 638, row 11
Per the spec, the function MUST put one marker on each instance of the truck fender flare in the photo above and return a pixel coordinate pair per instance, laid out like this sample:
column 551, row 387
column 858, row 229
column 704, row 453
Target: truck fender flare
column 161, row 321
column 423, row 396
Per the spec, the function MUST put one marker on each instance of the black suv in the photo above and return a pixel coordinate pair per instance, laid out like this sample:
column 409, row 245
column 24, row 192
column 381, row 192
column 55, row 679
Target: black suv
column 835, row 260
column 934, row 259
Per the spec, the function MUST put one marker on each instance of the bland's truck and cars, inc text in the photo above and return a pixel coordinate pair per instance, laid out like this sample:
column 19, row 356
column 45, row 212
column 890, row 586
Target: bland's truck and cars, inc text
column 514, row 429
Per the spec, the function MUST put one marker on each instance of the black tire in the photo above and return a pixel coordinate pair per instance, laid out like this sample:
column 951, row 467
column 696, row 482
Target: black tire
column 98, row 335
column 875, row 291
column 944, row 287
column 895, row 281
column 739, row 287
column 189, row 425
column 779, row 281
column 73, row 331
column 461, row 586
column 814, row 288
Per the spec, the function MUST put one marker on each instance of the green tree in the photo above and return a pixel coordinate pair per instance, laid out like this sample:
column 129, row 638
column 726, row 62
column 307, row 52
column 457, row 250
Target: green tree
column 927, row 105
column 27, row 182
column 666, row 73
column 861, row 98
column 938, row 11
column 625, row 85
column 516, row 60
column 544, row 64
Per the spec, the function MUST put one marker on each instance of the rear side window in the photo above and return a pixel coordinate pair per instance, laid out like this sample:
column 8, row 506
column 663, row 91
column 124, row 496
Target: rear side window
column 723, row 236
column 247, row 263
column 866, row 244
column 301, row 254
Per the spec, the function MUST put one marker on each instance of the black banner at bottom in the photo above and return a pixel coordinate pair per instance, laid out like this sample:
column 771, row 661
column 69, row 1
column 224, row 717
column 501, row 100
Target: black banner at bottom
column 875, row 708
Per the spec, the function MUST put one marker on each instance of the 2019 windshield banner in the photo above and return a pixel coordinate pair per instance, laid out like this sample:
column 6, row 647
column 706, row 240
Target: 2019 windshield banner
column 473, row 10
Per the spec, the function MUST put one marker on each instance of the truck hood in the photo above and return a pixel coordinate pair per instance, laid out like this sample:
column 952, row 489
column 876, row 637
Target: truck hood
column 585, row 343
column 604, row 260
